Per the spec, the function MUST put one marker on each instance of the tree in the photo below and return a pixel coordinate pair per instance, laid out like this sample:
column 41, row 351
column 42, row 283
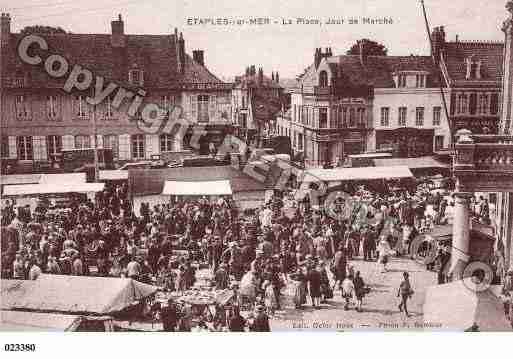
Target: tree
column 41, row 29
column 370, row 48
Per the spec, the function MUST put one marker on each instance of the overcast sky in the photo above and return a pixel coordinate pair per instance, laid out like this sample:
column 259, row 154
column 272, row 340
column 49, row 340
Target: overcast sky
column 287, row 49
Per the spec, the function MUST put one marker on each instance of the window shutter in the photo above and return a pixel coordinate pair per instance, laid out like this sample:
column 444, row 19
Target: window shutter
column 194, row 107
column 39, row 148
column 68, row 142
column 149, row 146
column 212, row 106
column 124, row 147
column 13, row 152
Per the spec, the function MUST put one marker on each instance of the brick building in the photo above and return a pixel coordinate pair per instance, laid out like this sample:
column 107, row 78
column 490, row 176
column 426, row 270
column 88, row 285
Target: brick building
column 472, row 72
column 39, row 119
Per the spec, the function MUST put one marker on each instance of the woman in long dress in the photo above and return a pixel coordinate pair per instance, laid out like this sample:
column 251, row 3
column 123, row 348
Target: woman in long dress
column 299, row 281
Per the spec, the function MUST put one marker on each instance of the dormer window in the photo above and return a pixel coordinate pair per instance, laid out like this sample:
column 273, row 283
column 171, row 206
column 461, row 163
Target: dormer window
column 420, row 81
column 323, row 79
column 135, row 77
column 473, row 68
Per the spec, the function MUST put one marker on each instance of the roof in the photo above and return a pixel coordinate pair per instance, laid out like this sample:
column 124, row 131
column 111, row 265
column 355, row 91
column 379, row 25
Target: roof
column 12, row 291
column 73, row 294
column 412, row 163
column 113, row 175
column 252, row 81
column 489, row 53
column 20, row 179
column 31, row 321
column 201, row 188
column 377, row 72
column 51, row 188
column 155, row 55
column 357, row 173
column 151, row 181
column 63, row 178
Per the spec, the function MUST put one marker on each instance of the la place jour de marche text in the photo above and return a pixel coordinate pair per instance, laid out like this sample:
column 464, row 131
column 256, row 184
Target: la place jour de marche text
column 287, row 21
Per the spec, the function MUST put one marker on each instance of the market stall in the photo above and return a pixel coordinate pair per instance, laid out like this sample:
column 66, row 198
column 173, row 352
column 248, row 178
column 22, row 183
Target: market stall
column 374, row 179
column 51, row 322
column 74, row 294
column 198, row 188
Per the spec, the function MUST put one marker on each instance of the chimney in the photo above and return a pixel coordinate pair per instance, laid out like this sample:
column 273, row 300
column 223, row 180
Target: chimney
column 5, row 27
column 180, row 53
column 252, row 70
column 457, row 38
column 198, row 56
column 117, row 38
column 260, row 76
column 247, row 71
column 317, row 57
column 361, row 52
column 272, row 76
column 438, row 40
column 277, row 77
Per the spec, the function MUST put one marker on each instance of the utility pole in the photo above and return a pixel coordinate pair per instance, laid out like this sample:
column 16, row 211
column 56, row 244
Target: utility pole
column 440, row 76
column 96, row 171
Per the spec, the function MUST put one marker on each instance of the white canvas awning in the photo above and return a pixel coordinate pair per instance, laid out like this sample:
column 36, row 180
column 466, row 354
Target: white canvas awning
column 113, row 175
column 51, row 188
column 356, row 173
column 82, row 294
column 63, row 178
column 199, row 188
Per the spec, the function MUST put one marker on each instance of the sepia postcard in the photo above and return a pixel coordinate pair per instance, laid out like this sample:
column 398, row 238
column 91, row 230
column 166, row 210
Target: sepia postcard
column 256, row 166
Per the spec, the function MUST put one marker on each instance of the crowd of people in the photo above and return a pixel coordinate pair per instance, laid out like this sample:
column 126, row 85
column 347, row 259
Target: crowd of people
column 257, row 254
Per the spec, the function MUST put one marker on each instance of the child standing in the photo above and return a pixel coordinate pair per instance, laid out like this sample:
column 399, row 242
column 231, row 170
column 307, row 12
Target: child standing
column 269, row 297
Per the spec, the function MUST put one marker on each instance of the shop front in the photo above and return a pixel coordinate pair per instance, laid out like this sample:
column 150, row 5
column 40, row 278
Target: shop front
column 406, row 141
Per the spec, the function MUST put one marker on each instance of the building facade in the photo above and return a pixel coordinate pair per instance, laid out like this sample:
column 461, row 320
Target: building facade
column 472, row 72
column 351, row 104
column 330, row 114
column 408, row 112
column 39, row 119
column 504, row 216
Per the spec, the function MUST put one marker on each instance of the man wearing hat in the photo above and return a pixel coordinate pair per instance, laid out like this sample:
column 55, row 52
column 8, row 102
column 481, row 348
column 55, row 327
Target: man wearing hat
column 222, row 277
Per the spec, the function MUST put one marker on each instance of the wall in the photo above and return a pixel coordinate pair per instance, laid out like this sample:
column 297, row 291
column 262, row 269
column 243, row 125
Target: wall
column 410, row 98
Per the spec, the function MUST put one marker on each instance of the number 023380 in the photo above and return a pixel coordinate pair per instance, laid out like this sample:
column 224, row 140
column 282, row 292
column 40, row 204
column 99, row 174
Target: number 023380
column 19, row 347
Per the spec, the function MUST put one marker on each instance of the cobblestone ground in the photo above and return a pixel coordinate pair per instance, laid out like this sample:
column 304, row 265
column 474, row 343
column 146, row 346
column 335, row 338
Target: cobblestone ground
column 380, row 311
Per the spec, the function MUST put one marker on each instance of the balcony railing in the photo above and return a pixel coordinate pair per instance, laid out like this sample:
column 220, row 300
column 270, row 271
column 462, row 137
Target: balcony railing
column 484, row 162
column 322, row 91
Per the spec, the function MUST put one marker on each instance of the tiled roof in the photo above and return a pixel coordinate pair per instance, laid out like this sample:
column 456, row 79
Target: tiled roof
column 489, row 53
column 377, row 72
column 195, row 73
column 155, row 55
